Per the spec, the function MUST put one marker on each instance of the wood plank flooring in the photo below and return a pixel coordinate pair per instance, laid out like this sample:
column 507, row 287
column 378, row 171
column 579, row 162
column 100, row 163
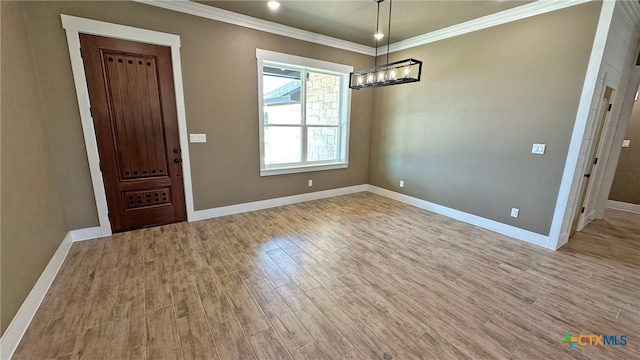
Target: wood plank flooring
column 351, row 277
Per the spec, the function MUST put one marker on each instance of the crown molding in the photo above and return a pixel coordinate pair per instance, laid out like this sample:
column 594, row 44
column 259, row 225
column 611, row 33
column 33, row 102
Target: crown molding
column 229, row 17
column 503, row 17
column 499, row 18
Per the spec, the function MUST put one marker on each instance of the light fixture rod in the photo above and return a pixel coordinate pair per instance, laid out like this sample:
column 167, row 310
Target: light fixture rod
column 375, row 61
column 389, row 31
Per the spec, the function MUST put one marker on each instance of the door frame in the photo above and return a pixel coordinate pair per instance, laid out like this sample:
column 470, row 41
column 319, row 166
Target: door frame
column 74, row 26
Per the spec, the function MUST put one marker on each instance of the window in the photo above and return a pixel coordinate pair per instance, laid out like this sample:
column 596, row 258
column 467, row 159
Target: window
column 304, row 113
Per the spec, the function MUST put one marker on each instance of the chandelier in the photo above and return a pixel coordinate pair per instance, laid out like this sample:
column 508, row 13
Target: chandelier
column 398, row 72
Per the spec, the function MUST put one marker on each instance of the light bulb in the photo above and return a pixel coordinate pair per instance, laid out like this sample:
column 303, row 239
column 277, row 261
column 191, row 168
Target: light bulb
column 369, row 78
column 406, row 72
column 273, row 5
column 392, row 74
column 360, row 80
column 380, row 76
column 378, row 36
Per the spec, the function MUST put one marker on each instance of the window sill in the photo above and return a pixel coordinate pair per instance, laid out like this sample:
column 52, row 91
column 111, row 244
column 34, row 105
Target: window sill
column 304, row 168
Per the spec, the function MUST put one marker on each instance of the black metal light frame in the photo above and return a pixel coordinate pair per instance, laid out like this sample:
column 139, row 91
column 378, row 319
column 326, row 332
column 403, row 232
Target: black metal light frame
column 359, row 79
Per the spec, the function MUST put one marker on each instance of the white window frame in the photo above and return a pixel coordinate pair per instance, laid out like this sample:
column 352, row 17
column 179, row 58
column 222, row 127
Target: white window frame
column 320, row 66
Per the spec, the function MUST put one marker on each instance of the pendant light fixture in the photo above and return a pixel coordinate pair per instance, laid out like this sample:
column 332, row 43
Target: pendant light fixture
column 399, row 72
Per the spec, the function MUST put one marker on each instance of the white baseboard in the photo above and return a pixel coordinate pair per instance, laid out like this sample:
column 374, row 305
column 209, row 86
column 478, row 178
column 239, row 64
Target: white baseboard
column 512, row 231
column 86, row 234
column 18, row 326
column 623, row 206
column 21, row 321
column 265, row 204
column 95, row 233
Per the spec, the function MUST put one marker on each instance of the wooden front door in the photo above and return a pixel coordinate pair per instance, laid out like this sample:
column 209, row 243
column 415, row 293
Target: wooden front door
column 133, row 106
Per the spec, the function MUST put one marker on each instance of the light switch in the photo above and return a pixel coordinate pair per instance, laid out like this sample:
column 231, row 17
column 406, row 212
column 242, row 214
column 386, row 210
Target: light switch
column 626, row 143
column 198, row 138
column 538, row 148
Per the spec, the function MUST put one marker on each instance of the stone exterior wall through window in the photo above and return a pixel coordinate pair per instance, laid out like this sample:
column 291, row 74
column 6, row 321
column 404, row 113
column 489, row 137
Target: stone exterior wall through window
column 323, row 108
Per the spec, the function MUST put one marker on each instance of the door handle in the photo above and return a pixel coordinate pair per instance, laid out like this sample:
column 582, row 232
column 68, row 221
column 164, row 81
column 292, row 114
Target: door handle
column 177, row 160
column 587, row 175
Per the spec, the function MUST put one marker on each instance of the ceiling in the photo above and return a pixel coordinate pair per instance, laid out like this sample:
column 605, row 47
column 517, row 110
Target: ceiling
column 356, row 20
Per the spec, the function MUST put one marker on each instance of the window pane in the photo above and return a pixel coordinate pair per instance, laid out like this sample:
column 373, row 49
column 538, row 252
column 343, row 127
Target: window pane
column 323, row 99
column 322, row 143
column 282, row 145
column 281, row 89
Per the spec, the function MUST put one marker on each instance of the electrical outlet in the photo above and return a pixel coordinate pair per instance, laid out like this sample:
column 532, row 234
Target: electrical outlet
column 538, row 149
column 626, row 143
column 310, row 183
column 401, row 183
column 198, row 138
column 515, row 212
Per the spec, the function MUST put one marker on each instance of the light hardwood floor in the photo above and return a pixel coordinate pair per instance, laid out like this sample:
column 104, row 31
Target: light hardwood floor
column 351, row 277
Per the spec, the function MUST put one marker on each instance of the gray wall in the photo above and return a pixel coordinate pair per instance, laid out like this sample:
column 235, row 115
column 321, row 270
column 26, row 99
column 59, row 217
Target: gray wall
column 626, row 182
column 220, row 88
column 33, row 223
column 462, row 137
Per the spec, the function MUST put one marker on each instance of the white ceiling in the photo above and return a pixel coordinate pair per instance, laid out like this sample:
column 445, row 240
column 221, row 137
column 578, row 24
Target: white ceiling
column 356, row 20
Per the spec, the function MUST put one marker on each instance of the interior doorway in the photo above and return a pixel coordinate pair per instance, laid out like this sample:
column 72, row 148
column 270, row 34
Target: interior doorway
column 590, row 189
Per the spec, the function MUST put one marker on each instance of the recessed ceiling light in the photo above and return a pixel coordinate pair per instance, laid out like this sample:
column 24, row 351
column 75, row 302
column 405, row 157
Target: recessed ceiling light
column 378, row 36
column 273, row 5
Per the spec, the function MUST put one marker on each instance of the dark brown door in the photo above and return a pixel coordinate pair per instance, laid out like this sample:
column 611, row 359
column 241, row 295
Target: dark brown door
column 134, row 113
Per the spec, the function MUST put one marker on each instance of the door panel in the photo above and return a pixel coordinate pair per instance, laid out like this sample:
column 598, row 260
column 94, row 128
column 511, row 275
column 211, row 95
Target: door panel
column 134, row 113
column 137, row 126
